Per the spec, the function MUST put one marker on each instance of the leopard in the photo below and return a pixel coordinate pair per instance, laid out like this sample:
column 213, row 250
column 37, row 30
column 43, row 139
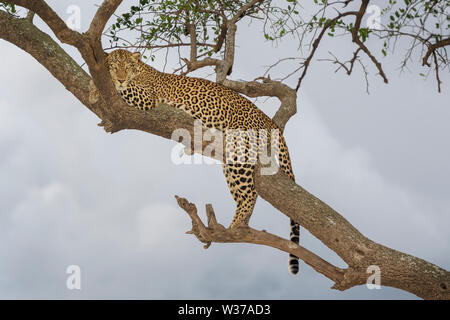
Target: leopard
column 215, row 106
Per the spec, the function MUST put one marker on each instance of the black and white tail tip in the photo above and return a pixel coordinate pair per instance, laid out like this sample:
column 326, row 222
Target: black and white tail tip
column 294, row 236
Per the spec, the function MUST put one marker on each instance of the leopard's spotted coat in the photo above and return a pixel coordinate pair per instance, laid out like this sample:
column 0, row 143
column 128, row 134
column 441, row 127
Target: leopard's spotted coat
column 216, row 106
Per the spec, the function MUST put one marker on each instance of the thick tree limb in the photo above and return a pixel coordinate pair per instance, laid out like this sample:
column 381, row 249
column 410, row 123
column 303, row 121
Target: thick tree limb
column 242, row 10
column 106, row 10
column 225, row 66
column 30, row 16
column 398, row 270
column 46, row 13
column 193, row 37
column 221, row 38
column 22, row 33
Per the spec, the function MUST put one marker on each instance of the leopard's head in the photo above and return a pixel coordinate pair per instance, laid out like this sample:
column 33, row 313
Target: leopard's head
column 123, row 66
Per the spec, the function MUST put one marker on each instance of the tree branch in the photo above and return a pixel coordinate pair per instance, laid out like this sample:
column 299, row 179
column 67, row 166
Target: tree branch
column 269, row 88
column 197, row 64
column 398, row 269
column 25, row 35
column 349, row 69
column 106, row 10
column 432, row 48
column 215, row 232
column 355, row 39
column 316, row 44
column 436, row 70
column 221, row 38
column 30, row 16
column 242, row 10
column 56, row 24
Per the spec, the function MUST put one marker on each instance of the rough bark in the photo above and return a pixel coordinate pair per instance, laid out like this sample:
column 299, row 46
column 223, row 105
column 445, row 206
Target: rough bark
column 398, row 270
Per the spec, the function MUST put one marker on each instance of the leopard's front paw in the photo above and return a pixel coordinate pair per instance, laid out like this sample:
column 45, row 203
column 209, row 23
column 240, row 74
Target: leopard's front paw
column 238, row 224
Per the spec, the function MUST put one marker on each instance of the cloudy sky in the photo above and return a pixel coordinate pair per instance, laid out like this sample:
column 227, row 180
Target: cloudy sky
column 70, row 194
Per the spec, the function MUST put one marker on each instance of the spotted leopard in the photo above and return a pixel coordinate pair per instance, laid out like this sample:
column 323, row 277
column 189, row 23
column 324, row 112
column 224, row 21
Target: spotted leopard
column 216, row 106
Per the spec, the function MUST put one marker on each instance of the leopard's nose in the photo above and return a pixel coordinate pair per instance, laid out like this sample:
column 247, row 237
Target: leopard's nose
column 121, row 81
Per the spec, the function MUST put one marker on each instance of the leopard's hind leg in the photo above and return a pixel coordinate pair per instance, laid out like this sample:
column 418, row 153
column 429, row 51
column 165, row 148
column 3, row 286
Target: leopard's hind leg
column 239, row 178
column 241, row 153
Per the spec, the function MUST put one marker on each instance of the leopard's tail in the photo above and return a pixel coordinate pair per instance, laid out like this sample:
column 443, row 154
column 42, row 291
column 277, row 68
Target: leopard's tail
column 285, row 165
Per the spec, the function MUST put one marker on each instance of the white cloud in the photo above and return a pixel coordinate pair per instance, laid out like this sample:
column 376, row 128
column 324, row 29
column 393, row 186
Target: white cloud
column 157, row 224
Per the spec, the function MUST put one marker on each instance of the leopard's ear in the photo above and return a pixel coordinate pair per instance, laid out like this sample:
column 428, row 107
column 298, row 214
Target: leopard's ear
column 136, row 56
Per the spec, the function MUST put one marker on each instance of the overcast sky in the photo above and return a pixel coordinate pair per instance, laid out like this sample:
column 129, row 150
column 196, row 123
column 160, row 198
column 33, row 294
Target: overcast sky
column 70, row 194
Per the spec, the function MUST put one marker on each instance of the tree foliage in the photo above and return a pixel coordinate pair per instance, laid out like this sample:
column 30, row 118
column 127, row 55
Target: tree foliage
column 167, row 24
